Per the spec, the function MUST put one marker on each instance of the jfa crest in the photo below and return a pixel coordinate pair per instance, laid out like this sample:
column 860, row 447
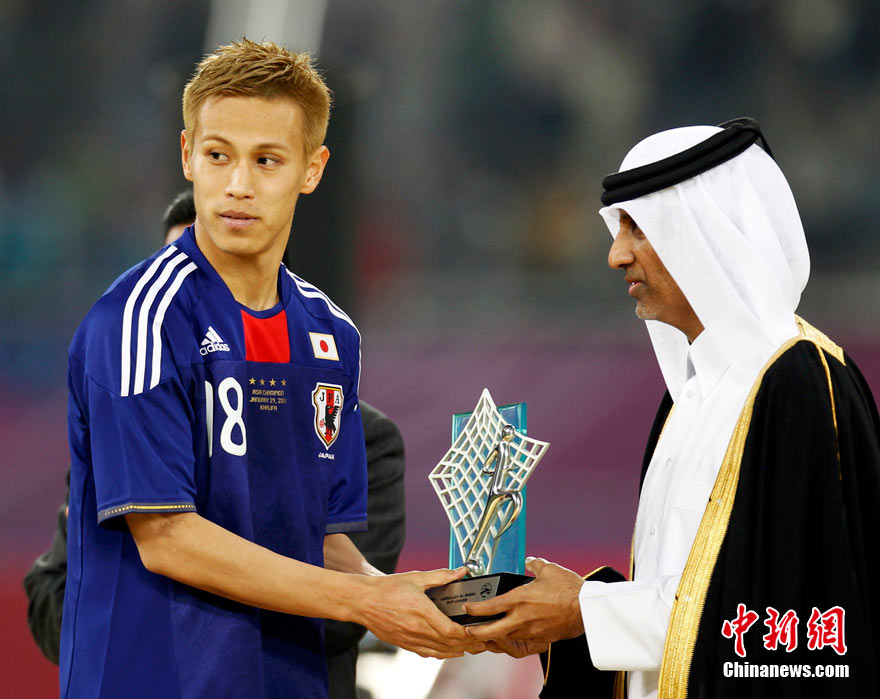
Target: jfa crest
column 327, row 399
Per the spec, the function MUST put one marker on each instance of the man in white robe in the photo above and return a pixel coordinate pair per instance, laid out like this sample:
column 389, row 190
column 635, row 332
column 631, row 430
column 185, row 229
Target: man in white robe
column 710, row 242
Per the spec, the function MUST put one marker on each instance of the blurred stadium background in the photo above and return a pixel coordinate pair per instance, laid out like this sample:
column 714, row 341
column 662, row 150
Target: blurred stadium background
column 456, row 223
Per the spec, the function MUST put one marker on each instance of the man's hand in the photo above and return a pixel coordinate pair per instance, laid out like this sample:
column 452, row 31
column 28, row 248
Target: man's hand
column 541, row 612
column 396, row 609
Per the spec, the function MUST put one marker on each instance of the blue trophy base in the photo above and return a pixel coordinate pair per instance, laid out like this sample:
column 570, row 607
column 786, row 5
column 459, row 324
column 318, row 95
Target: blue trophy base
column 451, row 598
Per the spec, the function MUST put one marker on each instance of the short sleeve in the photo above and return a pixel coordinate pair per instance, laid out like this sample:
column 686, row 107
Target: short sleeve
column 141, row 449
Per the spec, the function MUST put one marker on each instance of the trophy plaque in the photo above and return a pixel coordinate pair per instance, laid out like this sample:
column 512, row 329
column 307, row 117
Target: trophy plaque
column 481, row 485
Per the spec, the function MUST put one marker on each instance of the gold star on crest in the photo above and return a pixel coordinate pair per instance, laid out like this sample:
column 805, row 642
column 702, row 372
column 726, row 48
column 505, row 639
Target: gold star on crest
column 262, row 382
column 271, row 382
column 283, row 382
column 252, row 381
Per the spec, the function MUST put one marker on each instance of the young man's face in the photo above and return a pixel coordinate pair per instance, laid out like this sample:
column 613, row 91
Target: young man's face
column 657, row 295
column 247, row 164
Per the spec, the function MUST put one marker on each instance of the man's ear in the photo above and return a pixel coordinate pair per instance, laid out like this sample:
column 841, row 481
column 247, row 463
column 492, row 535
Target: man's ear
column 315, row 169
column 185, row 156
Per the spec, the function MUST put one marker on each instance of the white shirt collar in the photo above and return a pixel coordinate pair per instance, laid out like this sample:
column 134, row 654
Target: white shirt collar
column 707, row 361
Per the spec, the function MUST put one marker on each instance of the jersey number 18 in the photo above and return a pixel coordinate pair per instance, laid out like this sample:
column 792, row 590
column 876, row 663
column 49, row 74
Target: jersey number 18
column 233, row 417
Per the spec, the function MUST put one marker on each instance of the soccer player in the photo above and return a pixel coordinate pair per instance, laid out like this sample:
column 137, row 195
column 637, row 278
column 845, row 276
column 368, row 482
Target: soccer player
column 217, row 455
column 381, row 544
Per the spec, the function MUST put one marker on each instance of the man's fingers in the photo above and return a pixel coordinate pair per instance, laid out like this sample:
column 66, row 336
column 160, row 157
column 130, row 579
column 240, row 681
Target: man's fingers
column 439, row 626
column 488, row 607
column 441, row 576
column 445, row 636
column 534, row 565
column 497, row 605
column 493, row 630
column 449, row 631
column 444, row 627
column 497, row 647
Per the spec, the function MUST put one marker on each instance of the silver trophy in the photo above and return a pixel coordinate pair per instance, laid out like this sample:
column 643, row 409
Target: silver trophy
column 480, row 484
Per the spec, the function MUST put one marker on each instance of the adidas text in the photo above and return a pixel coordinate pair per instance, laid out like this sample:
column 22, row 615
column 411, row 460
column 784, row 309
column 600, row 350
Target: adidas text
column 213, row 347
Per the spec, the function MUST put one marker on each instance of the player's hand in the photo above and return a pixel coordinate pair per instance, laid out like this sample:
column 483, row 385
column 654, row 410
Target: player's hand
column 398, row 611
column 545, row 610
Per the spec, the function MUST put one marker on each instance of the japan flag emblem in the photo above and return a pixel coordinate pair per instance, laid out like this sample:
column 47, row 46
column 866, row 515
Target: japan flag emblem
column 327, row 399
column 324, row 346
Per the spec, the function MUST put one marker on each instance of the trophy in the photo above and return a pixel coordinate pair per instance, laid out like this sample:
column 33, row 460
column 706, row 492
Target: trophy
column 480, row 482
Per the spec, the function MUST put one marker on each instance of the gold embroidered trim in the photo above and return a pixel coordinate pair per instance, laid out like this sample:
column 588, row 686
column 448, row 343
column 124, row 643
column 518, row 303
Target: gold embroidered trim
column 619, row 691
column 125, row 509
column 547, row 671
column 825, row 344
column 830, row 393
column 833, row 408
column 632, row 554
column 690, row 597
column 820, row 339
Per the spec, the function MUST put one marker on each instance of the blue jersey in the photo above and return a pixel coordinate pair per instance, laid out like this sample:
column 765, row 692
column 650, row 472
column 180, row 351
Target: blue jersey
column 182, row 400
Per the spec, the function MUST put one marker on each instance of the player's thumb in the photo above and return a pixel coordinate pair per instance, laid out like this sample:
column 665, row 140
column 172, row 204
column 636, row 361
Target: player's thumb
column 433, row 578
column 535, row 565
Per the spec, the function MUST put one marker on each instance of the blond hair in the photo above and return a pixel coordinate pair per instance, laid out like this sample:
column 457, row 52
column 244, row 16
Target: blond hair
column 248, row 69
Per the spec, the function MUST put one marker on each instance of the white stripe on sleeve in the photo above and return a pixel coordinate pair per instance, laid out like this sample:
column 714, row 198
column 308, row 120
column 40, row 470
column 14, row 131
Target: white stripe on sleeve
column 140, row 367
column 127, row 315
column 159, row 319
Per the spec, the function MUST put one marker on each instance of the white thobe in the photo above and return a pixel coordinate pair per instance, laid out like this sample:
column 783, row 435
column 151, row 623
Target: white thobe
column 626, row 622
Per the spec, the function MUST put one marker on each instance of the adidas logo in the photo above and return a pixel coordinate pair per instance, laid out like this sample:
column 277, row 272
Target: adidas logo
column 212, row 343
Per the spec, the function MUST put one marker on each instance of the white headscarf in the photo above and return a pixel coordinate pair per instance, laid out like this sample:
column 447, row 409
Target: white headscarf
column 733, row 241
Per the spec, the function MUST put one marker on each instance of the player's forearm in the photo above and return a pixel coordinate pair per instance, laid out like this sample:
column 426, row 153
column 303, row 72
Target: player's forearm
column 342, row 555
column 195, row 551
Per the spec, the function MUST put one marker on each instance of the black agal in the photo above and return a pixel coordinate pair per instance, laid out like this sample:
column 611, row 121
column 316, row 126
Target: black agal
column 738, row 134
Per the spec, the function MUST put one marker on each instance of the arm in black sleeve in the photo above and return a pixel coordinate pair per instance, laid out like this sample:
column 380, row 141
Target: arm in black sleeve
column 44, row 586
